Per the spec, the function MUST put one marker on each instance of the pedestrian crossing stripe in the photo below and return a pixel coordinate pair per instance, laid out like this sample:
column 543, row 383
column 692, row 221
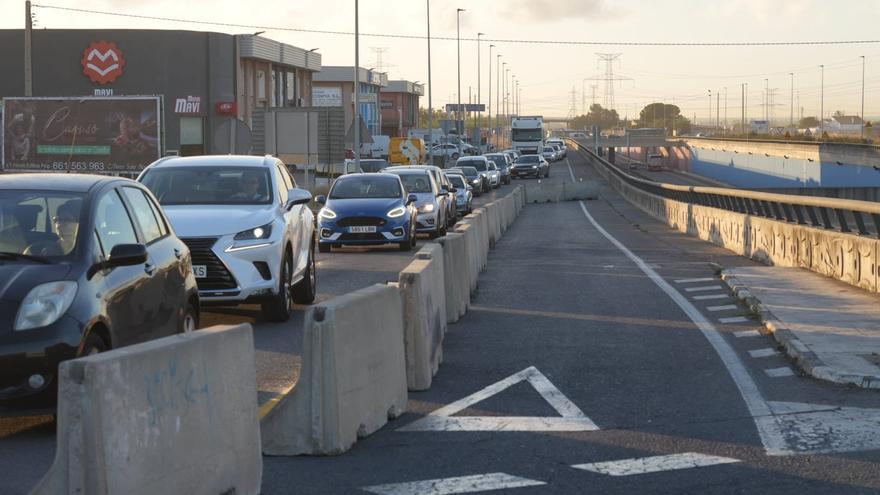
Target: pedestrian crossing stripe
column 570, row 418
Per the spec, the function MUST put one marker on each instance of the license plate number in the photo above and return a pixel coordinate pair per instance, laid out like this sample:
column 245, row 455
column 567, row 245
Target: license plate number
column 201, row 271
column 362, row 229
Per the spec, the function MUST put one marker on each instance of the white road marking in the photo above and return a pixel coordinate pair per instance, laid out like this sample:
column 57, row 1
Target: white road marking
column 712, row 296
column 572, row 418
column 779, row 372
column 785, row 428
column 628, row 467
column 726, row 307
column 570, row 172
column 694, row 280
column 704, row 288
column 733, row 319
column 450, row 486
column 762, row 353
column 747, row 333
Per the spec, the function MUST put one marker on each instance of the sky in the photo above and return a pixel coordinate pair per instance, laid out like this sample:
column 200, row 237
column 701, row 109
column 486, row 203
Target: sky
column 548, row 74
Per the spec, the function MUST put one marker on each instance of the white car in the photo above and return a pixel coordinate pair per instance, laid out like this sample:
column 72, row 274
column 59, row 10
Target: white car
column 563, row 150
column 248, row 226
column 485, row 167
column 549, row 154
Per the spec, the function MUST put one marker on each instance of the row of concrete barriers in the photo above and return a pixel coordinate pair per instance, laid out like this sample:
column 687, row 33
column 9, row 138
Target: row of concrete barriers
column 180, row 414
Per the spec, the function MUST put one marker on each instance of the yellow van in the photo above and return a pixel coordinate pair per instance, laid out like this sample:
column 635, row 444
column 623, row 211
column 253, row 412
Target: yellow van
column 406, row 151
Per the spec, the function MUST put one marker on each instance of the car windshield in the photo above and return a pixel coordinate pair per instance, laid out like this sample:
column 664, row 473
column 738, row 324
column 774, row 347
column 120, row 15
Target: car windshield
column 456, row 180
column 365, row 187
column 42, row 224
column 498, row 160
column 416, row 182
column 469, row 172
column 527, row 159
column 209, row 185
column 373, row 165
column 480, row 165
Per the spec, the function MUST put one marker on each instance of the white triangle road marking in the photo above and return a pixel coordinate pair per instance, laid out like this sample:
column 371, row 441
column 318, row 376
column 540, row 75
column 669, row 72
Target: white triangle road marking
column 450, row 486
column 655, row 464
column 571, row 417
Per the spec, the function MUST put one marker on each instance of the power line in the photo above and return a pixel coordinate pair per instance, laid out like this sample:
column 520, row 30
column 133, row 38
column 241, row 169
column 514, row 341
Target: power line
column 451, row 38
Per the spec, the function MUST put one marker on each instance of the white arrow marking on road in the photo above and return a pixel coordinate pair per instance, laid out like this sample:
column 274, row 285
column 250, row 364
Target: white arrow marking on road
column 450, row 486
column 628, row 467
column 784, row 428
column 572, row 418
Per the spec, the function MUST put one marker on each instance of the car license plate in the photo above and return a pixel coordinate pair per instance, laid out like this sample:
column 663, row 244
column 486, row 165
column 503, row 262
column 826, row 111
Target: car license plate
column 362, row 229
column 201, row 271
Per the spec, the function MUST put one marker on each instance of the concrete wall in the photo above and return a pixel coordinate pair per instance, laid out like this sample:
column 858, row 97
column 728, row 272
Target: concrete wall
column 765, row 164
column 849, row 258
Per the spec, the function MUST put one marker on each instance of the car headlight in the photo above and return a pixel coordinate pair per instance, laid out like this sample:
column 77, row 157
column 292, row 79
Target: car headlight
column 326, row 213
column 44, row 304
column 426, row 208
column 534, row 166
column 396, row 212
column 263, row 232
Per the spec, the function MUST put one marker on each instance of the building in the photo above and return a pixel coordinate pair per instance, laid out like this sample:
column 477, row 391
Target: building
column 201, row 80
column 334, row 87
column 399, row 103
column 844, row 124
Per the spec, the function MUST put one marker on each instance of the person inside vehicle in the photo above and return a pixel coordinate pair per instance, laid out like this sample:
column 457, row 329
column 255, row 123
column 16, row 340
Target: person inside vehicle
column 66, row 224
column 250, row 188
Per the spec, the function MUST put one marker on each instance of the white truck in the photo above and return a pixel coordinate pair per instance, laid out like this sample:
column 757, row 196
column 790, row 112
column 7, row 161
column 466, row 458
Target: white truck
column 527, row 134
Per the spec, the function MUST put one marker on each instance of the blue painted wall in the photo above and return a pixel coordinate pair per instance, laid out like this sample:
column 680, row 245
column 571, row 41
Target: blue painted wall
column 759, row 171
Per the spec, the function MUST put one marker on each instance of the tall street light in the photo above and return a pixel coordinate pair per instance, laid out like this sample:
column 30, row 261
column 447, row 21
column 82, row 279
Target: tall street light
column 479, row 85
column 507, row 95
column 497, row 97
column 513, row 98
column 458, row 47
column 489, row 123
column 863, row 97
column 822, row 103
column 357, row 92
column 430, row 107
column 791, row 111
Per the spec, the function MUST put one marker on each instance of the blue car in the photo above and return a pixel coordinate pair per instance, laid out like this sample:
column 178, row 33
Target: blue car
column 367, row 209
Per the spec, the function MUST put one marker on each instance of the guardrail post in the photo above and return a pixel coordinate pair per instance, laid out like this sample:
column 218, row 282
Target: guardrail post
column 814, row 220
column 876, row 219
column 842, row 219
column 799, row 213
column 788, row 216
column 860, row 223
column 826, row 219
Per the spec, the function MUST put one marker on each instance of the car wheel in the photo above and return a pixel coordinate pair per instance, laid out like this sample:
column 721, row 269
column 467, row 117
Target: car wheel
column 323, row 247
column 94, row 344
column 279, row 307
column 304, row 290
column 190, row 319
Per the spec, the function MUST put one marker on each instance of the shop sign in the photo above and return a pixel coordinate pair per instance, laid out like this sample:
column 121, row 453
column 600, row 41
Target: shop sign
column 323, row 96
column 191, row 105
column 102, row 62
column 227, row 109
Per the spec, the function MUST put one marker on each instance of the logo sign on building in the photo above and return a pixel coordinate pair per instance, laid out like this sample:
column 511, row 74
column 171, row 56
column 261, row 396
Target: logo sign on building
column 102, row 62
column 227, row 108
column 83, row 134
column 387, row 104
column 191, row 105
column 323, row 96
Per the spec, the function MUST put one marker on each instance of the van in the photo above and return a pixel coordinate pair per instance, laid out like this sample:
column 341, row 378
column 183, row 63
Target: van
column 406, row 151
column 378, row 148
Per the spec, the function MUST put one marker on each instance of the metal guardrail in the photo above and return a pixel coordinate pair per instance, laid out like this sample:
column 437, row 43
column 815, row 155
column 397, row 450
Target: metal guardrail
column 842, row 215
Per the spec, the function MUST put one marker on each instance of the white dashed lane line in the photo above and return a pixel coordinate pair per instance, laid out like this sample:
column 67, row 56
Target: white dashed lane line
column 694, row 280
column 762, row 353
column 779, row 372
column 726, row 307
column 747, row 333
column 734, row 319
column 711, row 296
column 705, row 288
column 450, row 486
column 628, row 467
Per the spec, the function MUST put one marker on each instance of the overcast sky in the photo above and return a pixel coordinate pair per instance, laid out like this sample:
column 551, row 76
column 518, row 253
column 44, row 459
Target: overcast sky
column 548, row 73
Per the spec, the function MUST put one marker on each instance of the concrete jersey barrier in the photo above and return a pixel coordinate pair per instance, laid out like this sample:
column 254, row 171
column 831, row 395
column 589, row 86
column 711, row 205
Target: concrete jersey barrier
column 456, row 274
column 353, row 375
column 173, row 415
column 472, row 242
column 423, row 294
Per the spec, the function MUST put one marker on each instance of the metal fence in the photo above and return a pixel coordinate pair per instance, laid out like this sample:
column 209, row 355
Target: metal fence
column 842, row 215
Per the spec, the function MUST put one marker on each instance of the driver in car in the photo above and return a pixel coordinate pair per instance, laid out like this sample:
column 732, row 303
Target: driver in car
column 66, row 222
column 250, row 188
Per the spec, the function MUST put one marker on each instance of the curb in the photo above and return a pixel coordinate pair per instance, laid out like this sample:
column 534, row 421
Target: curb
column 805, row 359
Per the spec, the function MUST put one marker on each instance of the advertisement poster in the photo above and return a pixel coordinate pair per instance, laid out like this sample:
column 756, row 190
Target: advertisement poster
column 81, row 134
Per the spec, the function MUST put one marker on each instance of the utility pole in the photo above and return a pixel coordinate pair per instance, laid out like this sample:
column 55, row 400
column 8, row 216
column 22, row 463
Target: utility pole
column 743, row 108
column 709, row 119
column 479, row 84
column 767, row 100
column 489, row 114
column 725, row 110
column 791, row 111
column 430, row 86
column 822, row 104
column 459, row 121
column 717, row 110
column 497, row 99
column 609, row 77
column 28, row 47
column 357, row 92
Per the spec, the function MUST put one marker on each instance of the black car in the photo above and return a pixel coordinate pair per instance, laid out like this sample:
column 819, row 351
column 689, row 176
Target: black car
column 87, row 263
column 530, row 166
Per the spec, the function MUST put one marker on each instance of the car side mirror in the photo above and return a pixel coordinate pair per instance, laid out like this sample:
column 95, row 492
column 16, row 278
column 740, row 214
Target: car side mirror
column 412, row 198
column 453, row 189
column 127, row 255
column 321, row 199
column 298, row 197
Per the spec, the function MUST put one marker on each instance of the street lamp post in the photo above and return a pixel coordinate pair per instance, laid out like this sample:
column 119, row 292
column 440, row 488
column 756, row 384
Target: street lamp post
column 822, row 103
column 489, row 113
column 458, row 114
column 710, row 108
column 507, row 96
column 430, row 107
column 479, row 97
column 791, row 103
column 863, row 97
column 513, row 98
column 357, row 92
column 497, row 98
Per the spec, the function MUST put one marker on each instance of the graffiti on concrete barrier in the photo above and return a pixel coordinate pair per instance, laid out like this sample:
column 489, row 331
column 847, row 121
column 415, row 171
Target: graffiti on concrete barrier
column 175, row 389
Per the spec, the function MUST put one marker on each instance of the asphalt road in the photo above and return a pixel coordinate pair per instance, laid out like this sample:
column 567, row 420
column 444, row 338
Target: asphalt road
column 27, row 444
column 561, row 298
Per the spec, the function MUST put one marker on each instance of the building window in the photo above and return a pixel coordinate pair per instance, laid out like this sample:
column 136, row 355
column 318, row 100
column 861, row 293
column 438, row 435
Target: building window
column 191, row 136
column 261, row 85
column 290, row 88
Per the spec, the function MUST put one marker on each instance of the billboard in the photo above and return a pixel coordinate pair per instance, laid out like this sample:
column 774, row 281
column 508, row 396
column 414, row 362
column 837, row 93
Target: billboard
column 87, row 134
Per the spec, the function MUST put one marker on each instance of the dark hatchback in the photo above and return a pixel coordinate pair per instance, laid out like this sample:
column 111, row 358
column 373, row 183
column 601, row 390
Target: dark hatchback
column 87, row 263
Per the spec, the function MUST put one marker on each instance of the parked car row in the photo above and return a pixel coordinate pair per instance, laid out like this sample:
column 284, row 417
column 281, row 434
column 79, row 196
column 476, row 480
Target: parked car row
column 91, row 263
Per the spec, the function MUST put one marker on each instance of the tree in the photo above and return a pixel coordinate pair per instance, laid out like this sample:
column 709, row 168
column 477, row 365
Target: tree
column 657, row 115
column 602, row 117
column 808, row 122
